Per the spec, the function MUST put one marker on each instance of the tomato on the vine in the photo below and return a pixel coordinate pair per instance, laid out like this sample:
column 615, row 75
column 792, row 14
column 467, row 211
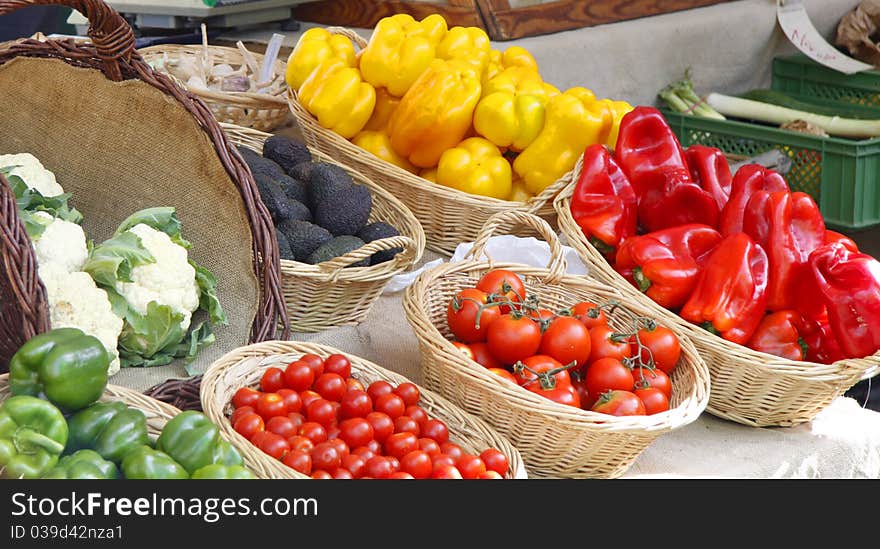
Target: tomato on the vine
column 483, row 356
column 527, row 371
column 654, row 399
column 464, row 349
column 579, row 384
column 607, row 374
column 468, row 316
column 513, row 337
column 502, row 373
column 605, row 342
column 657, row 378
column 272, row 380
column 503, row 285
column 619, row 403
column 581, row 311
column 664, row 347
column 560, row 393
column 567, row 340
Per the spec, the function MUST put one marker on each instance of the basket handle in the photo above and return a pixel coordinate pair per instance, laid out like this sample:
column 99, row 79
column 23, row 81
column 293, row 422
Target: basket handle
column 336, row 264
column 112, row 36
column 358, row 40
column 557, row 266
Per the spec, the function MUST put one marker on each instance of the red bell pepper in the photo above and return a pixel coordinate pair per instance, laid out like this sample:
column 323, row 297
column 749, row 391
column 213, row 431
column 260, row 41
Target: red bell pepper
column 822, row 344
column 731, row 291
column 780, row 334
column 747, row 180
column 789, row 227
column 710, row 170
column 603, row 203
column 653, row 160
column 849, row 285
column 665, row 264
column 849, row 243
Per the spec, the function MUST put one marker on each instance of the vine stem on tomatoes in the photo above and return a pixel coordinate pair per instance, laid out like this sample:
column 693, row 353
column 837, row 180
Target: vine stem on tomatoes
column 546, row 379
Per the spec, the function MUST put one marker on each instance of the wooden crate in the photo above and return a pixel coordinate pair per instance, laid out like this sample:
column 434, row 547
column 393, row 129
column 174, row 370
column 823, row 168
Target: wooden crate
column 366, row 13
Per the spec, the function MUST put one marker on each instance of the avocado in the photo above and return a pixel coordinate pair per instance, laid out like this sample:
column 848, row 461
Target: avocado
column 298, row 211
column 301, row 171
column 303, row 237
column 260, row 164
column 340, row 245
column 295, row 189
column 338, row 204
column 274, row 198
column 376, row 231
column 286, row 151
column 283, row 246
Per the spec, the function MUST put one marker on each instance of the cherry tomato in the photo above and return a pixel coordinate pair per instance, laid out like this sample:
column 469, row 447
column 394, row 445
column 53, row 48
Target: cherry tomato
column 301, row 443
column 245, row 397
column 513, row 338
column 543, row 317
column 464, row 349
column 654, row 399
column 444, row 471
column 364, row 453
column 307, row 397
column 470, row 466
column 429, row 446
column 313, row 431
column 619, row 403
column 292, row 400
column 356, row 464
column 272, row 380
column 579, row 384
column 501, row 372
column 354, row 385
column 437, row 430
column 340, row 446
column 400, row 475
column 503, row 285
column 383, row 425
column 283, row 426
column 297, row 418
column 320, row 474
column 567, row 340
column 581, row 312
column 489, row 474
column 452, row 450
column 298, row 460
column 342, row 473
column 298, row 376
column 379, row 388
column 271, row 405
column 608, row 374
column 417, row 463
column 321, row 411
column 406, row 424
column 417, row 413
column 495, row 460
column 530, row 370
column 663, row 345
column 400, row 444
column 444, row 459
column 605, row 344
column 330, row 386
column 468, row 316
column 355, row 404
column 409, row 392
column 238, row 412
column 483, row 357
column 390, row 404
column 271, row 443
column 356, row 431
column 314, row 362
column 338, row 364
column 325, row 456
column 557, row 392
column 248, row 425
column 652, row 378
column 375, row 446
column 378, row 467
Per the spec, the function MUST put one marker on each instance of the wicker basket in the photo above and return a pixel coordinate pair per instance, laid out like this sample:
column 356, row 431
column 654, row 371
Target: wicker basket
column 330, row 294
column 748, row 387
column 265, row 111
column 448, row 216
column 124, row 87
column 244, row 367
column 554, row 439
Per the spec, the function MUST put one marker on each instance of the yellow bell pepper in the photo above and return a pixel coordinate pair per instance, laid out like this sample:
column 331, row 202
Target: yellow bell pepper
column 385, row 105
column 399, row 50
column 313, row 47
column 436, row 112
column 378, row 143
column 514, row 56
column 618, row 111
column 336, row 95
column 469, row 44
column 476, row 166
column 572, row 121
column 518, row 192
column 429, row 173
column 511, row 112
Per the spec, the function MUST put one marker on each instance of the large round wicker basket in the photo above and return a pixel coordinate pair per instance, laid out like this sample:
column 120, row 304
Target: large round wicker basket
column 332, row 293
column 244, row 367
column 447, row 215
column 554, row 439
column 748, row 387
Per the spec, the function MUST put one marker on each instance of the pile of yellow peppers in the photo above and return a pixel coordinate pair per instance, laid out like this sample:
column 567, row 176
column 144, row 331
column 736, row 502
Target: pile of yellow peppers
column 439, row 102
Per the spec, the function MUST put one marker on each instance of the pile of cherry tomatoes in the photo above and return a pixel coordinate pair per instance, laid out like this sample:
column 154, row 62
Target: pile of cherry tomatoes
column 571, row 356
column 319, row 420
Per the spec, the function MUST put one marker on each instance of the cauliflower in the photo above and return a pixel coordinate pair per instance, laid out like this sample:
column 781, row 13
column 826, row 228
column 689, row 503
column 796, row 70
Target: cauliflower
column 62, row 243
column 75, row 301
column 170, row 280
column 32, row 172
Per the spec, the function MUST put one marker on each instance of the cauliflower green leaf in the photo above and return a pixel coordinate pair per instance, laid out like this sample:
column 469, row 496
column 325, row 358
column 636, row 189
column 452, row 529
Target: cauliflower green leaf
column 208, row 300
column 162, row 219
column 32, row 200
column 113, row 260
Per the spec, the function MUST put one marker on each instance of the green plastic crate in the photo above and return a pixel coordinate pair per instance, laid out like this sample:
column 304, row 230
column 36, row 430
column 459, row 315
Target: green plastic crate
column 842, row 175
column 799, row 75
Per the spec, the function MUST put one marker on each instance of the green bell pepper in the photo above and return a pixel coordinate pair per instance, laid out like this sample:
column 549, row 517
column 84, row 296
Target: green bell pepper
column 217, row 471
column 144, row 463
column 82, row 465
column 64, row 365
column 194, row 441
column 112, row 429
column 32, row 436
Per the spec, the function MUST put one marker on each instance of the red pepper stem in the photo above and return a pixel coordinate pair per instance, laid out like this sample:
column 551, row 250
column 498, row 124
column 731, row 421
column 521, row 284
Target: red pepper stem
column 643, row 283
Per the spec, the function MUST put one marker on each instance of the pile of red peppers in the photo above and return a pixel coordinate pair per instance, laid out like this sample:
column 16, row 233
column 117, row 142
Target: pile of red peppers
column 739, row 254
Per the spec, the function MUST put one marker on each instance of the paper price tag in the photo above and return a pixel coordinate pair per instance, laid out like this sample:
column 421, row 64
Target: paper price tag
column 796, row 25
